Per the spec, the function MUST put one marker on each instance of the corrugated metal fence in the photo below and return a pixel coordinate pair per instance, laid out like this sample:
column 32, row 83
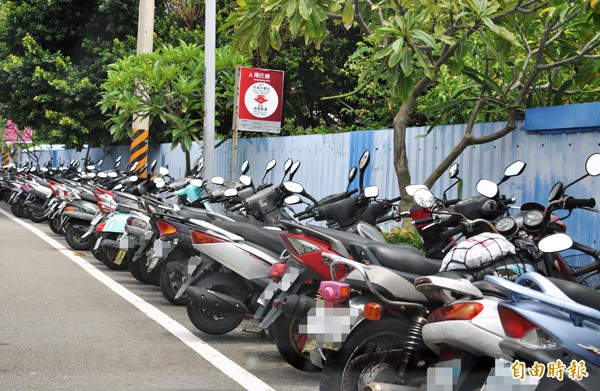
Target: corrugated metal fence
column 327, row 158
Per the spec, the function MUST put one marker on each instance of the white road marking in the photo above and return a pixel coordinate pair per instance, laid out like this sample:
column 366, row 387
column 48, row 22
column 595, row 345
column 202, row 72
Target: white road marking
column 213, row 356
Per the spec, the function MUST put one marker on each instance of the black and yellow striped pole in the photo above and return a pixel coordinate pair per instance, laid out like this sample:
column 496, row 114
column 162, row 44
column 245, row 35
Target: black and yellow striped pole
column 6, row 156
column 139, row 141
column 139, row 150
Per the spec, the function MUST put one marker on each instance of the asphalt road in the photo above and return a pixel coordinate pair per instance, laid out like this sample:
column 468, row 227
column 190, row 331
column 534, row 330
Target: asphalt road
column 68, row 322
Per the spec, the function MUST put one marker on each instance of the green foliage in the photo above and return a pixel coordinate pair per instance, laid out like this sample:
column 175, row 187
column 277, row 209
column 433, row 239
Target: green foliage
column 482, row 43
column 398, row 235
column 171, row 79
column 53, row 57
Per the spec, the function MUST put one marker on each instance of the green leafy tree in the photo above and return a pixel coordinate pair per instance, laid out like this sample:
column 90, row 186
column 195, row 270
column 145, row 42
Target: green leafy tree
column 508, row 52
column 54, row 55
column 173, row 92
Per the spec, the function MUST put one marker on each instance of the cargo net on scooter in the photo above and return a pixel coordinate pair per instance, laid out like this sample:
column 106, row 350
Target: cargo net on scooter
column 487, row 254
column 575, row 261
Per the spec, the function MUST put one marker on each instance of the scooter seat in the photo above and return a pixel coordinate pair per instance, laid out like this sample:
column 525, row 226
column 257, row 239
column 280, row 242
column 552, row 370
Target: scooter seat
column 401, row 259
column 88, row 197
column 42, row 182
column 579, row 293
column 488, row 289
column 125, row 195
column 194, row 213
column 255, row 232
column 346, row 238
column 387, row 282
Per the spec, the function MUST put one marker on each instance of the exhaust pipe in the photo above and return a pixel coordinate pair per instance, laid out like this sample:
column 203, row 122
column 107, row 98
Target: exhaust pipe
column 214, row 301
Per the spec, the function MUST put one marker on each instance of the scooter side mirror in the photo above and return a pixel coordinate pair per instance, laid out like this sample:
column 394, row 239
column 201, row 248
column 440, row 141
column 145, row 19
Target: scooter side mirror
column 362, row 166
column 512, row 170
column 159, row 183
column 294, row 169
column 230, row 193
column 556, row 192
column 270, row 165
column 163, row 171
column 197, row 182
column 246, row 180
column 487, row 188
column 371, row 192
column 364, row 160
column 287, row 165
column 424, row 198
column 515, row 169
column 245, row 167
column 555, row 243
column 352, row 174
column 293, row 187
column 217, row 180
column 412, row 189
column 592, row 165
column 454, row 171
column 153, row 165
column 292, row 200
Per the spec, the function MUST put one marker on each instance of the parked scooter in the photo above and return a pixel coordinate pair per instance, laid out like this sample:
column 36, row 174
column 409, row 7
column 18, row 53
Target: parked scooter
column 556, row 323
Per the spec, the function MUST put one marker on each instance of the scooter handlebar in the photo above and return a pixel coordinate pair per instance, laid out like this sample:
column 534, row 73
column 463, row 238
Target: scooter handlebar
column 572, row 203
column 452, row 231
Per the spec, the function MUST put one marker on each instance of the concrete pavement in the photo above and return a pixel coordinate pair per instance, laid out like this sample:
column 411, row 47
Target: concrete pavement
column 61, row 328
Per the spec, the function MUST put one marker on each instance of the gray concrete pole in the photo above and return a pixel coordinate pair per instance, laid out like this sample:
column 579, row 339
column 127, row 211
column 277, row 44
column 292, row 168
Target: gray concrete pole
column 209, row 89
column 139, row 141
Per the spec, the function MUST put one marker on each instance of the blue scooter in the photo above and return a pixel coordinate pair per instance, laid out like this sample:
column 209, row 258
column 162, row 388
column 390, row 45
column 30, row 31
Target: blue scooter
column 553, row 325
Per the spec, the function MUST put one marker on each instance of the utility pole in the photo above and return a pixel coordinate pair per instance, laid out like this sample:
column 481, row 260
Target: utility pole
column 139, row 141
column 208, row 149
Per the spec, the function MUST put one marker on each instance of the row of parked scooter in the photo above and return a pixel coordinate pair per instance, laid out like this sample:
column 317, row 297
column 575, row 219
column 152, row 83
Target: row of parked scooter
column 491, row 284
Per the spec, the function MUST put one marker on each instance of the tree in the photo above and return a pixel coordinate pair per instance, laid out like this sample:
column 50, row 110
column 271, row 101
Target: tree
column 511, row 51
column 54, row 55
column 173, row 92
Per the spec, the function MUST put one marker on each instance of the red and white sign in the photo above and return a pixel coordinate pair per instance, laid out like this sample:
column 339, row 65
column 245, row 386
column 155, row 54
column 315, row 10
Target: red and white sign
column 260, row 100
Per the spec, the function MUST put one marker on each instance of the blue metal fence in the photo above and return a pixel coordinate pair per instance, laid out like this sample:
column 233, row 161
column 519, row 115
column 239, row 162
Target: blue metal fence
column 327, row 158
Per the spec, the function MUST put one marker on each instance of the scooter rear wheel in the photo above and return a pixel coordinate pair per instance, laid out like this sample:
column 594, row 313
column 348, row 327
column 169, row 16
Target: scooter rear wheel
column 55, row 225
column 111, row 258
column 17, row 210
column 290, row 342
column 35, row 216
column 212, row 322
column 371, row 353
column 73, row 236
column 170, row 281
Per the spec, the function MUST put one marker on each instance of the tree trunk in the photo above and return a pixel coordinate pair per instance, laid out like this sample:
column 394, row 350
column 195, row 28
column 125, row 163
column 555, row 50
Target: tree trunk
column 401, row 157
column 188, row 164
